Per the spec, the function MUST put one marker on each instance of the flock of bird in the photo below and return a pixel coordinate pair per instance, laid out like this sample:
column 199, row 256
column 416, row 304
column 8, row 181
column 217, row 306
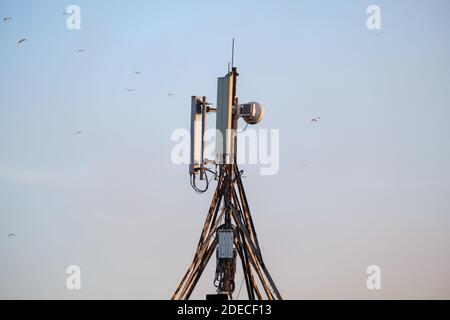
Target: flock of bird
column 22, row 41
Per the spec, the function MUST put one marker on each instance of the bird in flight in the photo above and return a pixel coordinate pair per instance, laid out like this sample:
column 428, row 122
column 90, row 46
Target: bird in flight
column 137, row 72
column 81, row 50
column 315, row 119
column 6, row 19
column 79, row 132
column 130, row 90
column 21, row 41
column 11, row 235
column 171, row 94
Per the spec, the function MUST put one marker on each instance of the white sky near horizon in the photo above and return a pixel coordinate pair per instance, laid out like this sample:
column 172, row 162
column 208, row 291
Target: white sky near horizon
column 375, row 191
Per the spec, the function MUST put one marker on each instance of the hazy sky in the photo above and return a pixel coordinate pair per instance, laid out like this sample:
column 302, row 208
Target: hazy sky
column 376, row 190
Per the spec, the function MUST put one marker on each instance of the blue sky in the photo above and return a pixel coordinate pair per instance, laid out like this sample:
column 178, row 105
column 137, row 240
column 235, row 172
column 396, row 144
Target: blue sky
column 110, row 200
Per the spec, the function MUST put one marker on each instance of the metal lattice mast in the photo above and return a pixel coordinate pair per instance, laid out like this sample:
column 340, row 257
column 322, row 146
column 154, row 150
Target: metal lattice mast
column 228, row 229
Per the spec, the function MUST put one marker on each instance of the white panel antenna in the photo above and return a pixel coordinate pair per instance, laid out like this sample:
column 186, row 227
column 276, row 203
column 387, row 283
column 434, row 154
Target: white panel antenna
column 194, row 165
column 224, row 120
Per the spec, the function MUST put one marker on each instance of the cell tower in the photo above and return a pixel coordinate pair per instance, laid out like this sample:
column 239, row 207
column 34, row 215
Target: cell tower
column 228, row 230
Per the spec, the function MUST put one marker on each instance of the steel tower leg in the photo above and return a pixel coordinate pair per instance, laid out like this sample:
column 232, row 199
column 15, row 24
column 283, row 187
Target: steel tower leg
column 236, row 215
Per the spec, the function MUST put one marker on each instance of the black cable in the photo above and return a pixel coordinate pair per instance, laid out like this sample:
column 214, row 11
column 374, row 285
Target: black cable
column 245, row 128
column 237, row 297
column 194, row 185
column 209, row 170
column 240, row 173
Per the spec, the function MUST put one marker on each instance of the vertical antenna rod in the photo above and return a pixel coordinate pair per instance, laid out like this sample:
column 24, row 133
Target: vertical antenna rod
column 232, row 55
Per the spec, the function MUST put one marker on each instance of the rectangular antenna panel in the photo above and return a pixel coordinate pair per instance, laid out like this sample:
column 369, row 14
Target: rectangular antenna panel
column 224, row 121
column 195, row 134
